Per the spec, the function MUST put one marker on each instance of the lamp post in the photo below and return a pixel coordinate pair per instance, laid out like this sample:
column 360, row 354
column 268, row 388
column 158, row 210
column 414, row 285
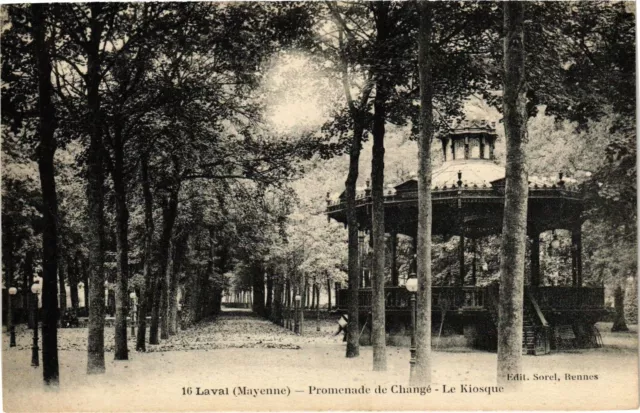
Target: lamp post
column 296, row 328
column 412, row 287
column 35, row 289
column 12, row 329
column 132, row 312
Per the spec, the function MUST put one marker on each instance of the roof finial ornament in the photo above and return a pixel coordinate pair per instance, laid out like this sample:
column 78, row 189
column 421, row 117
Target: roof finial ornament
column 459, row 179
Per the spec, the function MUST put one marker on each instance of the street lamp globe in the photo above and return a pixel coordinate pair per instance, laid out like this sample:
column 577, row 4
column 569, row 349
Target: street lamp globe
column 13, row 291
column 412, row 284
column 132, row 295
column 555, row 243
column 35, row 288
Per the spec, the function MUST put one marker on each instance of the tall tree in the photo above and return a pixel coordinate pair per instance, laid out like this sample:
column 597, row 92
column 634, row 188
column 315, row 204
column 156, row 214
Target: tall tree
column 514, row 229
column 45, row 152
column 348, row 52
column 145, row 295
column 358, row 110
column 95, row 191
column 382, row 86
column 169, row 214
column 425, row 217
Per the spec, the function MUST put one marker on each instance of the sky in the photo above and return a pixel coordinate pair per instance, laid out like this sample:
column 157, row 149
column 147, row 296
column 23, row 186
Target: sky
column 297, row 93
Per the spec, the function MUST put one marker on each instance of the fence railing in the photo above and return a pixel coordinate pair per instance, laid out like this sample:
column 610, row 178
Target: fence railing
column 398, row 298
column 477, row 298
column 569, row 298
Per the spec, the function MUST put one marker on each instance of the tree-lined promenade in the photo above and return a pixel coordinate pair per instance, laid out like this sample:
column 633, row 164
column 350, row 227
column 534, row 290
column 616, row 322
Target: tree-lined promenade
column 147, row 168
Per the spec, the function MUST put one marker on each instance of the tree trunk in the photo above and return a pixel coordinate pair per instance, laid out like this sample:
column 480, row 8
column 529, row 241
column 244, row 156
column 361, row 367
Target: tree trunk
column 314, row 292
column 276, row 313
column 85, row 280
column 164, row 307
column 258, row 289
column 317, row 307
column 514, row 229
column 192, row 298
column 7, row 275
column 282, row 302
column 27, row 269
column 172, row 310
column 287, row 304
column 111, row 300
column 186, row 315
column 73, row 280
column 223, row 267
column 619, row 321
column 291, row 305
column 269, row 304
column 303, row 300
column 377, row 200
column 422, row 374
column 95, row 198
column 45, row 152
column 313, row 296
column 203, row 284
column 630, row 301
column 461, row 248
column 358, row 114
column 180, row 249
column 156, row 295
column 27, row 281
column 474, row 246
column 147, row 294
column 328, row 293
column 395, row 276
column 62, row 295
column 217, row 300
column 122, row 247
column 169, row 213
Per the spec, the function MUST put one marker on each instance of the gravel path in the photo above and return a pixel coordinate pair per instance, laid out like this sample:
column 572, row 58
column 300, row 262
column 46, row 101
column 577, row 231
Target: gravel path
column 238, row 350
column 231, row 329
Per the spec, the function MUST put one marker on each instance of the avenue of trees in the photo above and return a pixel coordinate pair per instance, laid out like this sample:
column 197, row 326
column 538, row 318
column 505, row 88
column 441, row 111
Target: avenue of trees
column 158, row 101
column 137, row 156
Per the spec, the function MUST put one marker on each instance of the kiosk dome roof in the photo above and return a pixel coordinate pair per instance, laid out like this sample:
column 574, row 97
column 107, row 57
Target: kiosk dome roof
column 473, row 172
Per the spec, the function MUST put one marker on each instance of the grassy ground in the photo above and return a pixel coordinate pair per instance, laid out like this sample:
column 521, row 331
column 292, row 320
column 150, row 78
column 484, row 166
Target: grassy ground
column 241, row 350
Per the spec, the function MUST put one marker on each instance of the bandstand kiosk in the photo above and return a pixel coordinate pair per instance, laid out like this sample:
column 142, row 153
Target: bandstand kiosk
column 468, row 201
